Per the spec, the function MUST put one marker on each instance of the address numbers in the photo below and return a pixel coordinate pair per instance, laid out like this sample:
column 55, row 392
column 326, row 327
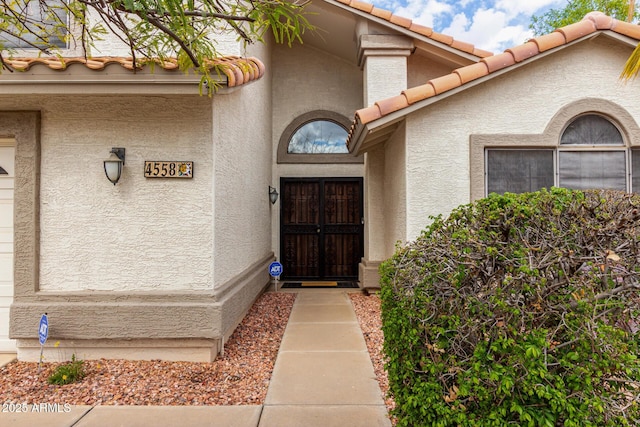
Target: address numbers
column 168, row 169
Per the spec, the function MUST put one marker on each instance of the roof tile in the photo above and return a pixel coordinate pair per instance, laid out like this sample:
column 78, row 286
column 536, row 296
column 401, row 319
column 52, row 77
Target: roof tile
column 237, row 70
column 368, row 114
column 389, row 105
column 399, row 20
column 498, row 62
column 360, row 5
column 524, row 51
column 421, row 29
column 549, row 41
column 442, row 38
column 445, row 83
column 416, row 28
column 465, row 47
column 482, row 53
column 575, row 31
column 381, row 13
column 626, row 28
column 601, row 21
column 419, row 93
column 472, row 72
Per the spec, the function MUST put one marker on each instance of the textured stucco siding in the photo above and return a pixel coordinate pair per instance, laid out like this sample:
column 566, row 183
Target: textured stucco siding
column 522, row 101
column 306, row 79
column 395, row 192
column 242, row 156
column 421, row 69
column 142, row 234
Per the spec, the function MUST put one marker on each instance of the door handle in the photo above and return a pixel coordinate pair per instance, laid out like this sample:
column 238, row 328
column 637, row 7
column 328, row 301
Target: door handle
column 318, row 230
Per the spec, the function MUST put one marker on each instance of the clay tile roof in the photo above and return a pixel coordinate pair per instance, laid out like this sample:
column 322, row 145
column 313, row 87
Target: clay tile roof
column 472, row 72
column 389, row 105
column 592, row 22
column 549, row 41
column 416, row 28
column 524, row 51
column 237, row 70
column 626, row 28
column 419, row 93
column 445, row 83
column 498, row 62
column 575, row 31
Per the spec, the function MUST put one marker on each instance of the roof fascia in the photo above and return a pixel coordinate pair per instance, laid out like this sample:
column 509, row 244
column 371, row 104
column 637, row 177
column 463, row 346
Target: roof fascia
column 78, row 80
column 404, row 31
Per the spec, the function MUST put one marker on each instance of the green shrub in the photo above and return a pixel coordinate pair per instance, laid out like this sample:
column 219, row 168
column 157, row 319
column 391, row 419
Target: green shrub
column 68, row 373
column 518, row 310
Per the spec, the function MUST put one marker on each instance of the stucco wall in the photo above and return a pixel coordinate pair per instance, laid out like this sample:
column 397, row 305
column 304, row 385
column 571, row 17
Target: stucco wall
column 421, row 69
column 142, row 234
column 522, row 101
column 395, row 192
column 242, row 156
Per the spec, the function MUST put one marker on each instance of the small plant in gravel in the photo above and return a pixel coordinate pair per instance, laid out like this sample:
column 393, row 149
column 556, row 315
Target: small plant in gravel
column 518, row 310
column 68, row 373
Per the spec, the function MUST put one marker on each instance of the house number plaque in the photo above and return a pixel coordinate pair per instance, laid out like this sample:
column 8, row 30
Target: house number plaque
column 166, row 169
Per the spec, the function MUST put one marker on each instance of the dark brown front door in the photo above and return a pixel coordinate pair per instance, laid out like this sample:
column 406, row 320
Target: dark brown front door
column 321, row 230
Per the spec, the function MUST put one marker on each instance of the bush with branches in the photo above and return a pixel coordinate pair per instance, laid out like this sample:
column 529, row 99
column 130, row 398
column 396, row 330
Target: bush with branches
column 518, row 310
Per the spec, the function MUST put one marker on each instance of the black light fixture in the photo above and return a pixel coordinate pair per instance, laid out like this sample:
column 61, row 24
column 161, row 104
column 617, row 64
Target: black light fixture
column 113, row 165
column 273, row 195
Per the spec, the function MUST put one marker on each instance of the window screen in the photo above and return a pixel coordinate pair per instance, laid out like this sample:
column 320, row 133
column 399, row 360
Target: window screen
column 582, row 170
column 591, row 129
column 519, row 171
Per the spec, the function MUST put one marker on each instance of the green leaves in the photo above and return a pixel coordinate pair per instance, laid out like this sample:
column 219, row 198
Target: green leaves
column 153, row 29
column 518, row 310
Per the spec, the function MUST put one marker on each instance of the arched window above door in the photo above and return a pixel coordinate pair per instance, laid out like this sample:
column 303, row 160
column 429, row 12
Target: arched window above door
column 316, row 137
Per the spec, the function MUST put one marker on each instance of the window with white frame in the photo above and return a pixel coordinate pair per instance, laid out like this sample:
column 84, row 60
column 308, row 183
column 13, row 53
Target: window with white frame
column 45, row 19
column 591, row 154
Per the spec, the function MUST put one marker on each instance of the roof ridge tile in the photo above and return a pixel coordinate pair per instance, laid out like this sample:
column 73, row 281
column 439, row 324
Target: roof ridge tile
column 601, row 20
column 576, row 30
column 498, row 62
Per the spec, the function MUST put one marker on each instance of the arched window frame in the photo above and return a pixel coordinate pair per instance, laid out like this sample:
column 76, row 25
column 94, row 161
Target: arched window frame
column 285, row 157
column 549, row 139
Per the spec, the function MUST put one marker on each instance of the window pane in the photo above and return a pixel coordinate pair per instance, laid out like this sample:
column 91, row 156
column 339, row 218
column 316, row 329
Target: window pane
column 582, row 170
column 34, row 15
column 319, row 137
column 519, row 171
column 591, row 130
column 635, row 171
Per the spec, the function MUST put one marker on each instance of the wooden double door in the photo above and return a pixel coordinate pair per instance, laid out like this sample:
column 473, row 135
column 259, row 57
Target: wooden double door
column 321, row 228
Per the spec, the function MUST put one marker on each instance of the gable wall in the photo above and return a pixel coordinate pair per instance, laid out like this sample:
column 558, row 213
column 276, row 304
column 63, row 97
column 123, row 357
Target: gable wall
column 421, row 69
column 520, row 102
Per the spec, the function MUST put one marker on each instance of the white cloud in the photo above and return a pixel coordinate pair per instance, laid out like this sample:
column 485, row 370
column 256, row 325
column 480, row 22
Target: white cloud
column 514, row 8
column 493, row 25
column 488, row 29
column 427, row 13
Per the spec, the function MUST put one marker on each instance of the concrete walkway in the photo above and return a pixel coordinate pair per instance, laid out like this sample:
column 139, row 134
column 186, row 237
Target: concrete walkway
column 323, row 376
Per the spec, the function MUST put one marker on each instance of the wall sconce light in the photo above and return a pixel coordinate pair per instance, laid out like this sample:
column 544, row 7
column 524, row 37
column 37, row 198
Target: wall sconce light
column 113, row 165
column 273, row 195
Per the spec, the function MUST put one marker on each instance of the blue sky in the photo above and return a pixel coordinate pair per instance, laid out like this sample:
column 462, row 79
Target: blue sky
column 493, row 25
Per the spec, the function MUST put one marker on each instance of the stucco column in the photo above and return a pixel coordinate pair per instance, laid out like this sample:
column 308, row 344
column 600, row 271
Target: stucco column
column 383, row 59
